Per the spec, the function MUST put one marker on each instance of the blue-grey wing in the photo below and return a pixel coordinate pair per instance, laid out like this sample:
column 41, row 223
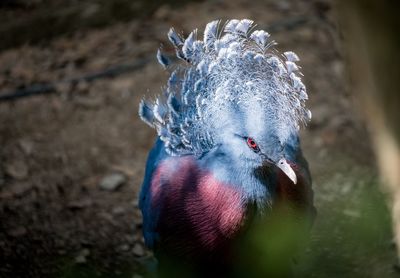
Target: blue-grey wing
column 156, row 155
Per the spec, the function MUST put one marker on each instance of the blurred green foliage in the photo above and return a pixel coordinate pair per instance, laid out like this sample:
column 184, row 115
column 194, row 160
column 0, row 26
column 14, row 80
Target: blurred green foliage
column 351, row 237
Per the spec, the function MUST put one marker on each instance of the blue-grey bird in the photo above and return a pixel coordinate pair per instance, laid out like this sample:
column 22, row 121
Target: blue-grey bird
column 228, row 145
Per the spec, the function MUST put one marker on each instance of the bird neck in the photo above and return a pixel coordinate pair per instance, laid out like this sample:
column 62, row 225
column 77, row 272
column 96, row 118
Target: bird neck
column 255, row 184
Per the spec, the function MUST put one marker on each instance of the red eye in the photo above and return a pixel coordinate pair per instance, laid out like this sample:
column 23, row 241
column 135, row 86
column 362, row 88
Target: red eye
column 252, row 144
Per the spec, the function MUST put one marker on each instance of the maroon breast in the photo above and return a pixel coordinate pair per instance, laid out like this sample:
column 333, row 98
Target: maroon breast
column 198, row 216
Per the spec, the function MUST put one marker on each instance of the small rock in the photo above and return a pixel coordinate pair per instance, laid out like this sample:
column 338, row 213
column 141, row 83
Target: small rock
column 80, row 259
column 124, row 247
column 26, row 146
column 82, row 256
column 95, row 151
column 118, row 210
column 112, row 181
column 346, row 188
column 82, row 87
column 338, row 67
column 138, row 250
column 17, row 169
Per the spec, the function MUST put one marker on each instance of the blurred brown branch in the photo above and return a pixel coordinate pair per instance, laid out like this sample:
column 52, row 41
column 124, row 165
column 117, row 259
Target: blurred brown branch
column 371, row 31
column 48, row 88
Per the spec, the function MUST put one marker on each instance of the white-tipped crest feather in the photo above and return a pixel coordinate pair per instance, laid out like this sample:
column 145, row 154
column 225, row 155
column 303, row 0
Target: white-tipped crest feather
column 210, row 33
column 162, row 60
column 243, row 26
column 187, row 47
column 146, row 113
column 174, row 38
column 291, row 56
column 291, row 67
column 230, row 26
column 260, row 37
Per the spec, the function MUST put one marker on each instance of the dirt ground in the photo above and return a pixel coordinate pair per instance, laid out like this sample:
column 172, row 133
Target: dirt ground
column 58, row 219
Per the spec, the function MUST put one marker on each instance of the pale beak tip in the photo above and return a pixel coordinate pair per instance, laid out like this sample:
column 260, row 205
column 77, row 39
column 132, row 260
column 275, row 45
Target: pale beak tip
column 287, row 169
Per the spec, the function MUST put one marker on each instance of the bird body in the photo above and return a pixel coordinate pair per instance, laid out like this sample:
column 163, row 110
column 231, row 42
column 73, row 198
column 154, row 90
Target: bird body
column 195, row 212
column 228, row 148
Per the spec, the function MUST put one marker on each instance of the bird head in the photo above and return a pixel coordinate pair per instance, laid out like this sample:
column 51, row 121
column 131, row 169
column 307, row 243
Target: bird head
column 233, row 90
column 254, row 140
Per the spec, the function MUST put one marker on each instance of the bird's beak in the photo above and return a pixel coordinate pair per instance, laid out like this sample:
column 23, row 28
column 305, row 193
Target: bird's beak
column 287, row 169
